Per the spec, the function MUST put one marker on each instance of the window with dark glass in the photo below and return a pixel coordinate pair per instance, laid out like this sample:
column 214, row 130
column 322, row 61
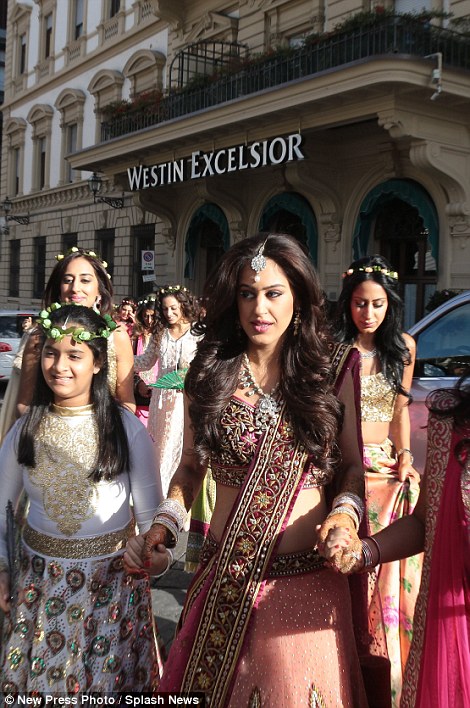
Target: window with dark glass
column 78, row 23
column 22, row 56
column 114, row 7
column 105, row 248
column 14, row 284
column 72, row 131
column 39, row 275
column 69, row 241
column 48, row 36
column 42, row 162
column 16, row 170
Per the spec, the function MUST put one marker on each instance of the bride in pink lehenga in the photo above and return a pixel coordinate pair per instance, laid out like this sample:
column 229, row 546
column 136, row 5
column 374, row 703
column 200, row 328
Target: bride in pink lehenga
column 265, row 621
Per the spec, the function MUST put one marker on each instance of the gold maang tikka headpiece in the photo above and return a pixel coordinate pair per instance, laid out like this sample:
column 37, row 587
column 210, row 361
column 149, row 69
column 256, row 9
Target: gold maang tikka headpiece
column 258, row 262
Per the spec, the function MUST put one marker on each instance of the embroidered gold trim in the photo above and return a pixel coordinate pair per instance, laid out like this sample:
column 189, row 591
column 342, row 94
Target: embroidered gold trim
column 77, row 547
column 72, row 411
column 65, row 454
column 283, row 565
column 377, row 399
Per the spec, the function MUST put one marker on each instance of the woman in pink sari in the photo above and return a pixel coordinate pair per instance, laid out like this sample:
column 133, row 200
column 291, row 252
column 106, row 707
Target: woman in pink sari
column 369, row 316
column 438, row 669
column 265, row 623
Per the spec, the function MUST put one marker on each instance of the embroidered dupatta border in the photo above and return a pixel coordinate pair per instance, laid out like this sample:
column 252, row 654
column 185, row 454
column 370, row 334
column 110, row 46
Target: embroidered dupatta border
column 439, row 437
column 245, row 553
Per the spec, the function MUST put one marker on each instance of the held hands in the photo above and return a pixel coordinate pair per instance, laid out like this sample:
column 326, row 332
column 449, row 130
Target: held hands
column 338, row 542
column 147, row 553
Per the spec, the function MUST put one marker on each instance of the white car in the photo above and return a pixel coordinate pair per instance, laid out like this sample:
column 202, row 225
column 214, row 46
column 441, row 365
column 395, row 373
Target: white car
column 11, row 332
column 443, row 354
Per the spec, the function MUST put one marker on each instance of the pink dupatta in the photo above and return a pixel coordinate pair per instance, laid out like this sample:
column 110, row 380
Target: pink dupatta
column 444, row 679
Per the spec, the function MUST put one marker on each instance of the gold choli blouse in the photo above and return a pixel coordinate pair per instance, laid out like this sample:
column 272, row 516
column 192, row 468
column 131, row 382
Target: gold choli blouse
column 377, row 399
column 240, row 438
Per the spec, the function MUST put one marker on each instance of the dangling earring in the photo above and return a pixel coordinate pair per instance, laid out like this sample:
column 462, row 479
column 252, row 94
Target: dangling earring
column 96, row 304
column 239, row 330
column 297, row 322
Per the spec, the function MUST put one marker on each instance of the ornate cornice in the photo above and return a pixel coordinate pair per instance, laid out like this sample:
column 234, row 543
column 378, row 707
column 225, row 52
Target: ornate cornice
column 171, row 11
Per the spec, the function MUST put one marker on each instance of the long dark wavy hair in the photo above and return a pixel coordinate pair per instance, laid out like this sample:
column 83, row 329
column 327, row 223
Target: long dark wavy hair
column 455, row 402
column 140, row 326
column 105, row 287
column 113, row 450
column 388, row 339
column 305, row 382
column 189, row 307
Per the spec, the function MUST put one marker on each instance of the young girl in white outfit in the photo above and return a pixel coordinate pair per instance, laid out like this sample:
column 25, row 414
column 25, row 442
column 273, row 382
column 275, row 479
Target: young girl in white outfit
column 80, row 623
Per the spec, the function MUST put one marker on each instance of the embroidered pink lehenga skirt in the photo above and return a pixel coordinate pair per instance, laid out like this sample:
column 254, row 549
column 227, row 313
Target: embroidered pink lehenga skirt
column 299, row 648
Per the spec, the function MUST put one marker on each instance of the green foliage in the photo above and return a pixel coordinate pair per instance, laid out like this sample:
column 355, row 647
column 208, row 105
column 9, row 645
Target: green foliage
column 146, row 102
column 369, row 18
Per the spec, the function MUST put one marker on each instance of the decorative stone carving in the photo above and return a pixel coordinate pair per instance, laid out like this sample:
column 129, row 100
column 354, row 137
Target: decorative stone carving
column 237, row 230
column 168, row 233
column 331, row 229
column 171, row 11
column 460, row 229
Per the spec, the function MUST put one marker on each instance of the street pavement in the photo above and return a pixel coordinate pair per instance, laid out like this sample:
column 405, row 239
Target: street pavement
column 169, row 592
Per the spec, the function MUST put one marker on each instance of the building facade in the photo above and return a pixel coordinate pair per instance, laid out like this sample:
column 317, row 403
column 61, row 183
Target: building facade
column 344, row 124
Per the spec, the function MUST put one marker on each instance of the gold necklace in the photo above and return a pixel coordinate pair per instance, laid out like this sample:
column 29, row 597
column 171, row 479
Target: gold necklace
column 266, row 408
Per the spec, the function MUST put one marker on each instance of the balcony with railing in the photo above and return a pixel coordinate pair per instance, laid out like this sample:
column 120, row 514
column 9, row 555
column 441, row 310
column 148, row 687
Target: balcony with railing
column 393, row 36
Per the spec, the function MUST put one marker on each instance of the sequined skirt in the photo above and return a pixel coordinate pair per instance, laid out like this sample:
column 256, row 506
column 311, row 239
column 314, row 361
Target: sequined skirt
column 300, row 648
column 83, row 626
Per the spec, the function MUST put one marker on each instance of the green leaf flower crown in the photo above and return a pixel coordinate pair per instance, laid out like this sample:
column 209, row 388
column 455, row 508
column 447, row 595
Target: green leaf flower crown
column 371, row 269
column 77, row 333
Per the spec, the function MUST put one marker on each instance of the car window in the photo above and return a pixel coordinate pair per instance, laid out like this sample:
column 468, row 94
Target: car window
column 9, row 326
column 443, row 348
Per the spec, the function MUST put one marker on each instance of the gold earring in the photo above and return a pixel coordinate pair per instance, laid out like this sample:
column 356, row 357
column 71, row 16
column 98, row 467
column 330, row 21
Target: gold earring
column 297, row 323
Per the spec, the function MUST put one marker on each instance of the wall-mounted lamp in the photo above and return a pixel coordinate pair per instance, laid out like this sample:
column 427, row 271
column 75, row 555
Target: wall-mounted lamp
column 95, row 183
column 436, row 76
column 7, row 207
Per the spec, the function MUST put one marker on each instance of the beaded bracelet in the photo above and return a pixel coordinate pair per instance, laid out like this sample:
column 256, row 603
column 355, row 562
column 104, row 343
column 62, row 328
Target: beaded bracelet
column 170, row 561
column 353, row 500
column 347, row 511
column 173, row 509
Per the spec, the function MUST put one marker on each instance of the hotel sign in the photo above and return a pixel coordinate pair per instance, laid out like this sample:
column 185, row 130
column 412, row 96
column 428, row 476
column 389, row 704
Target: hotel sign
column 260, row 153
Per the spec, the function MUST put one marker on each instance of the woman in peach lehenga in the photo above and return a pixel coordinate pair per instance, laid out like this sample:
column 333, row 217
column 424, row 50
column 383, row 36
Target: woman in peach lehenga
column 369, row 315
column 265, row 622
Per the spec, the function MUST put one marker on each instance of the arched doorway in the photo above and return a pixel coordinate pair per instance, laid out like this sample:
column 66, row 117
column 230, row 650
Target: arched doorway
column 206, row 240
column 290, row 213
column 398, row 220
